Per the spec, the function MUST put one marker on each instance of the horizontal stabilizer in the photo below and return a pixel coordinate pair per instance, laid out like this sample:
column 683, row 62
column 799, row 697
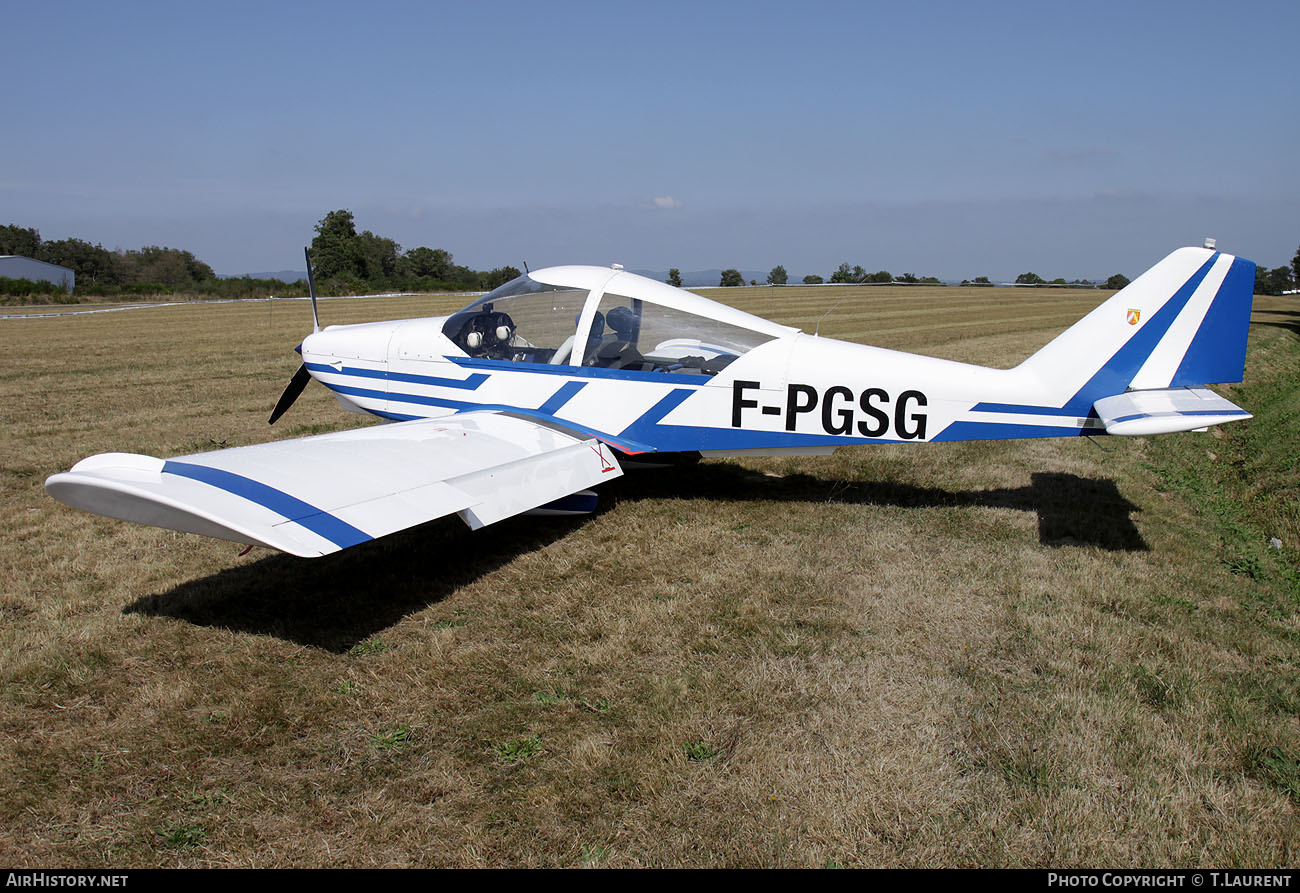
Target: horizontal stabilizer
column 315, row 495
column 1165, row 410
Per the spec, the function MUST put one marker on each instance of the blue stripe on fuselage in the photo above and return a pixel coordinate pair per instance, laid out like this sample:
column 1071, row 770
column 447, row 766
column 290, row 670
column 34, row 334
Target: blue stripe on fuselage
column 627, row 446
column 648, row 433
column 468, row 384
column 1007, row 431
column 557, row 400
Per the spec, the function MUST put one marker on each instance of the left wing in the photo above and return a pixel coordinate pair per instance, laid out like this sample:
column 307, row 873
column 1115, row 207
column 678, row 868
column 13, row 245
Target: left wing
column 316, row 495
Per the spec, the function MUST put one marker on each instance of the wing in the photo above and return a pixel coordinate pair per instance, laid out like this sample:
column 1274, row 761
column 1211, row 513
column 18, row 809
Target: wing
column 315, row 495
column 1165, row 410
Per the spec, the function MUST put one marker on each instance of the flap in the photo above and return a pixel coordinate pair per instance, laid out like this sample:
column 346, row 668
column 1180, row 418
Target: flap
column 1165, row 410
column 315, row 495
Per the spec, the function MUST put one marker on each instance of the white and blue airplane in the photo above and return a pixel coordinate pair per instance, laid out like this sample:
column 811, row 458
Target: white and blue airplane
column 533, row 393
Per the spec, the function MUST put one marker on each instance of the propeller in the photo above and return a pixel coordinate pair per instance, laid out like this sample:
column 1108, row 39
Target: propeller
column 302, row 376
column 296, row 384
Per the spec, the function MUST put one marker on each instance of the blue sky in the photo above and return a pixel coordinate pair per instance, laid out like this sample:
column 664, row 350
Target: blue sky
column 953, row 139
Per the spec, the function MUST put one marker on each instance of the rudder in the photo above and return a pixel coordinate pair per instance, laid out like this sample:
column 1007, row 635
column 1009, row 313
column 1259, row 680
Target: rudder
column 1218, row 351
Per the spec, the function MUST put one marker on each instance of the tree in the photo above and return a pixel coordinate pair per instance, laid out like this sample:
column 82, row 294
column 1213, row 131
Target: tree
column 166, row 266
column 465, row 275
column 778, row 276
column 675, row 277
column 730, row 278
column 1274, row 281
column 1118, row 281
column 499, row 276
column 813, row 279
column 1295, row 266
column 843, row 274
column 335, row 253
column 1282, row 279
column 881, row 276
column 1029, row 279
column 94, row 264
column 155, row 265
column 376, row 257
column 427, row 263
column 198, row 270
column 368, row 260
column 26, row 242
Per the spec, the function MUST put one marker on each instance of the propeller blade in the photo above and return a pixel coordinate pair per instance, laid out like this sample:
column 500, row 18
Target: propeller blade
column 311, row 288
column 296, row 384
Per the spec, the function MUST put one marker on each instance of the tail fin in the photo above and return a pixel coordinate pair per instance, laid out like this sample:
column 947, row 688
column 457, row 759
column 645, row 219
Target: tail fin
column 1183, row 323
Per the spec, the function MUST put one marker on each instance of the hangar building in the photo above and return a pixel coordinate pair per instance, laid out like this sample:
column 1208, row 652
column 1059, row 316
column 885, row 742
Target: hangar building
column 14, row 267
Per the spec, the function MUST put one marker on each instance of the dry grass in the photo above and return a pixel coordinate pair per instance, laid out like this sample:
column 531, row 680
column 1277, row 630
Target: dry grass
column 992, row 653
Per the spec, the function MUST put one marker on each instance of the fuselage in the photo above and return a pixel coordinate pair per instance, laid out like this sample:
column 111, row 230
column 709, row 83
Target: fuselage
column 703, row 377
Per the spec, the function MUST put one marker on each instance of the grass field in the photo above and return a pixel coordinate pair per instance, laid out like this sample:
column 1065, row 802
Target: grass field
column 1021, row 653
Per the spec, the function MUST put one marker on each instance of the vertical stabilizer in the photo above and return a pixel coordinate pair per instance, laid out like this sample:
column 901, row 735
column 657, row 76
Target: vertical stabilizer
column 1183, row 323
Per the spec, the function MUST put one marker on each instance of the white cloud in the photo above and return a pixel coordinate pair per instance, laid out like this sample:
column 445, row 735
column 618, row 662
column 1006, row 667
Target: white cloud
column 666, row 201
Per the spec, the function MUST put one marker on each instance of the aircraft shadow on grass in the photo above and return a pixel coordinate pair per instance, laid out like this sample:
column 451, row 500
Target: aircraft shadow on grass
column 340, row 600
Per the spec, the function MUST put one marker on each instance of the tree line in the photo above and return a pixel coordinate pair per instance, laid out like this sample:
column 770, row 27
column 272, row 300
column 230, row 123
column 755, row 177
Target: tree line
column 1279, row 279
column 98, row 269
column 349, row 262
column 1274, row 281
column 858, row 275
column 344, row 262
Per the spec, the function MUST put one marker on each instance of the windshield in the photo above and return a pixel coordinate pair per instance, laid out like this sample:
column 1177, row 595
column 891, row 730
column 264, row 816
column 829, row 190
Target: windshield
column 523, row 320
